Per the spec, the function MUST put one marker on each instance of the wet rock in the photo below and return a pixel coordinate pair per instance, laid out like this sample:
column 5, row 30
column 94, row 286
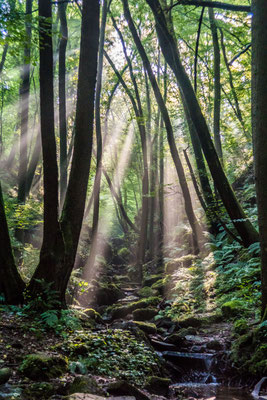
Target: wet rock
column 5, row 374
column 147, row 327
column 122, row 311
column 84, row 384
column 144, row 314
column 190, row 361
column 122, row 388
column 82, row 396
column 42, row 366
column 158, row 385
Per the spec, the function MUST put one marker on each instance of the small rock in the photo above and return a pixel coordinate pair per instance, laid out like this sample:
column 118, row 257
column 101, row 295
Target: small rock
column 5, row 374
column 214, row 345
column 84, row 384
column 189, row 322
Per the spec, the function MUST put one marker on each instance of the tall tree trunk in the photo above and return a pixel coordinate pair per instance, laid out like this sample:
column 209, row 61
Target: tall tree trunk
column 73, row 210
column 259, row 129
column 169, row 48
column 217, row 85
column 196, row 231
column 24, row 108
column 48, row 258
column 36, row 155
column 11, row 284
column 97, row 182
column 62, row 100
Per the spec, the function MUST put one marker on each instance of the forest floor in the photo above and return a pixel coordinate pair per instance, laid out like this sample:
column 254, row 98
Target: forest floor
column 135, row 348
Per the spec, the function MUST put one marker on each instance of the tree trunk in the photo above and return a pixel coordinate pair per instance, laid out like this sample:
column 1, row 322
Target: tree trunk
column 217, row 85
column 196, row 231
column 97, row 182
column 73, row 210
column 63, row 164
column 11, row 284
column 259, row 128
column 169, row 48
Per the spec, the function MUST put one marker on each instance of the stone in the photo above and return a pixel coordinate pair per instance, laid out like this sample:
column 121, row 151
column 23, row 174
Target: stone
column 144, row 314
column 107, row 295
column 42, row 366
column 214, row 345
column 158, row 385
column 84, row 384
column 5, row 374
column 147, row 327
column 151, row 279
column 88, row 396
column 38, row 390
column 189, row 322
column 122, row 388
column 232, row 308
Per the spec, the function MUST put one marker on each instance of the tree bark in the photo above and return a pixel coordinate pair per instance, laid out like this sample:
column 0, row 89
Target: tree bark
column 217, row 85
column 63, row 164
column 259, row 128
column 11, row 284
column 169, row 48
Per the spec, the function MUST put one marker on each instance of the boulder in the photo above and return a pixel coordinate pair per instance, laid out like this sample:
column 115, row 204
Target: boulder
column 84, row 384
column 190, row 322
column 122, row 388
column 42, row 366
column 144, row 314
column 38, row 390
column 147, row 327
column 232, row 308
column 151, row 279
column 158, row 385
column 5, row 374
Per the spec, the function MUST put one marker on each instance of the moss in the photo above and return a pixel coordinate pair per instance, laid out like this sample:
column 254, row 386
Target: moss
column 241, row 327
column 122, row 311
column 144, row 314
column 43, row 366
column 158, row 385
column 147, row 327
column 146, row 291
column 124, row 253
column 190, row 322
column 151, row 279
column 5, row 374
column 84, row 384
column 107, row 293
column 42, row 390
column 232, row 308
column 174, row 265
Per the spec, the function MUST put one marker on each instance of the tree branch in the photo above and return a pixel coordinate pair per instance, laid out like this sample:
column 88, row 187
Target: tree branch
column 212, row 4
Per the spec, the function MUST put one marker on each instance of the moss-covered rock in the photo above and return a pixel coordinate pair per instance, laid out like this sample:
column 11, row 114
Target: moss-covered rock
column 124, row 253
column 232, row 308
column 158, row 385
column 151, row 279
column 159, row 286
column 107, row 294
column 146, row 291
column 42, row 366
column 147, row 327
column 190, row 322
column 84, row 384
column 144, row 314
column 185, row 261
column 122, row 311
column 122, row 388
column 241, row 326
column 214, row 345
column 40, row 390
column 5, row 374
